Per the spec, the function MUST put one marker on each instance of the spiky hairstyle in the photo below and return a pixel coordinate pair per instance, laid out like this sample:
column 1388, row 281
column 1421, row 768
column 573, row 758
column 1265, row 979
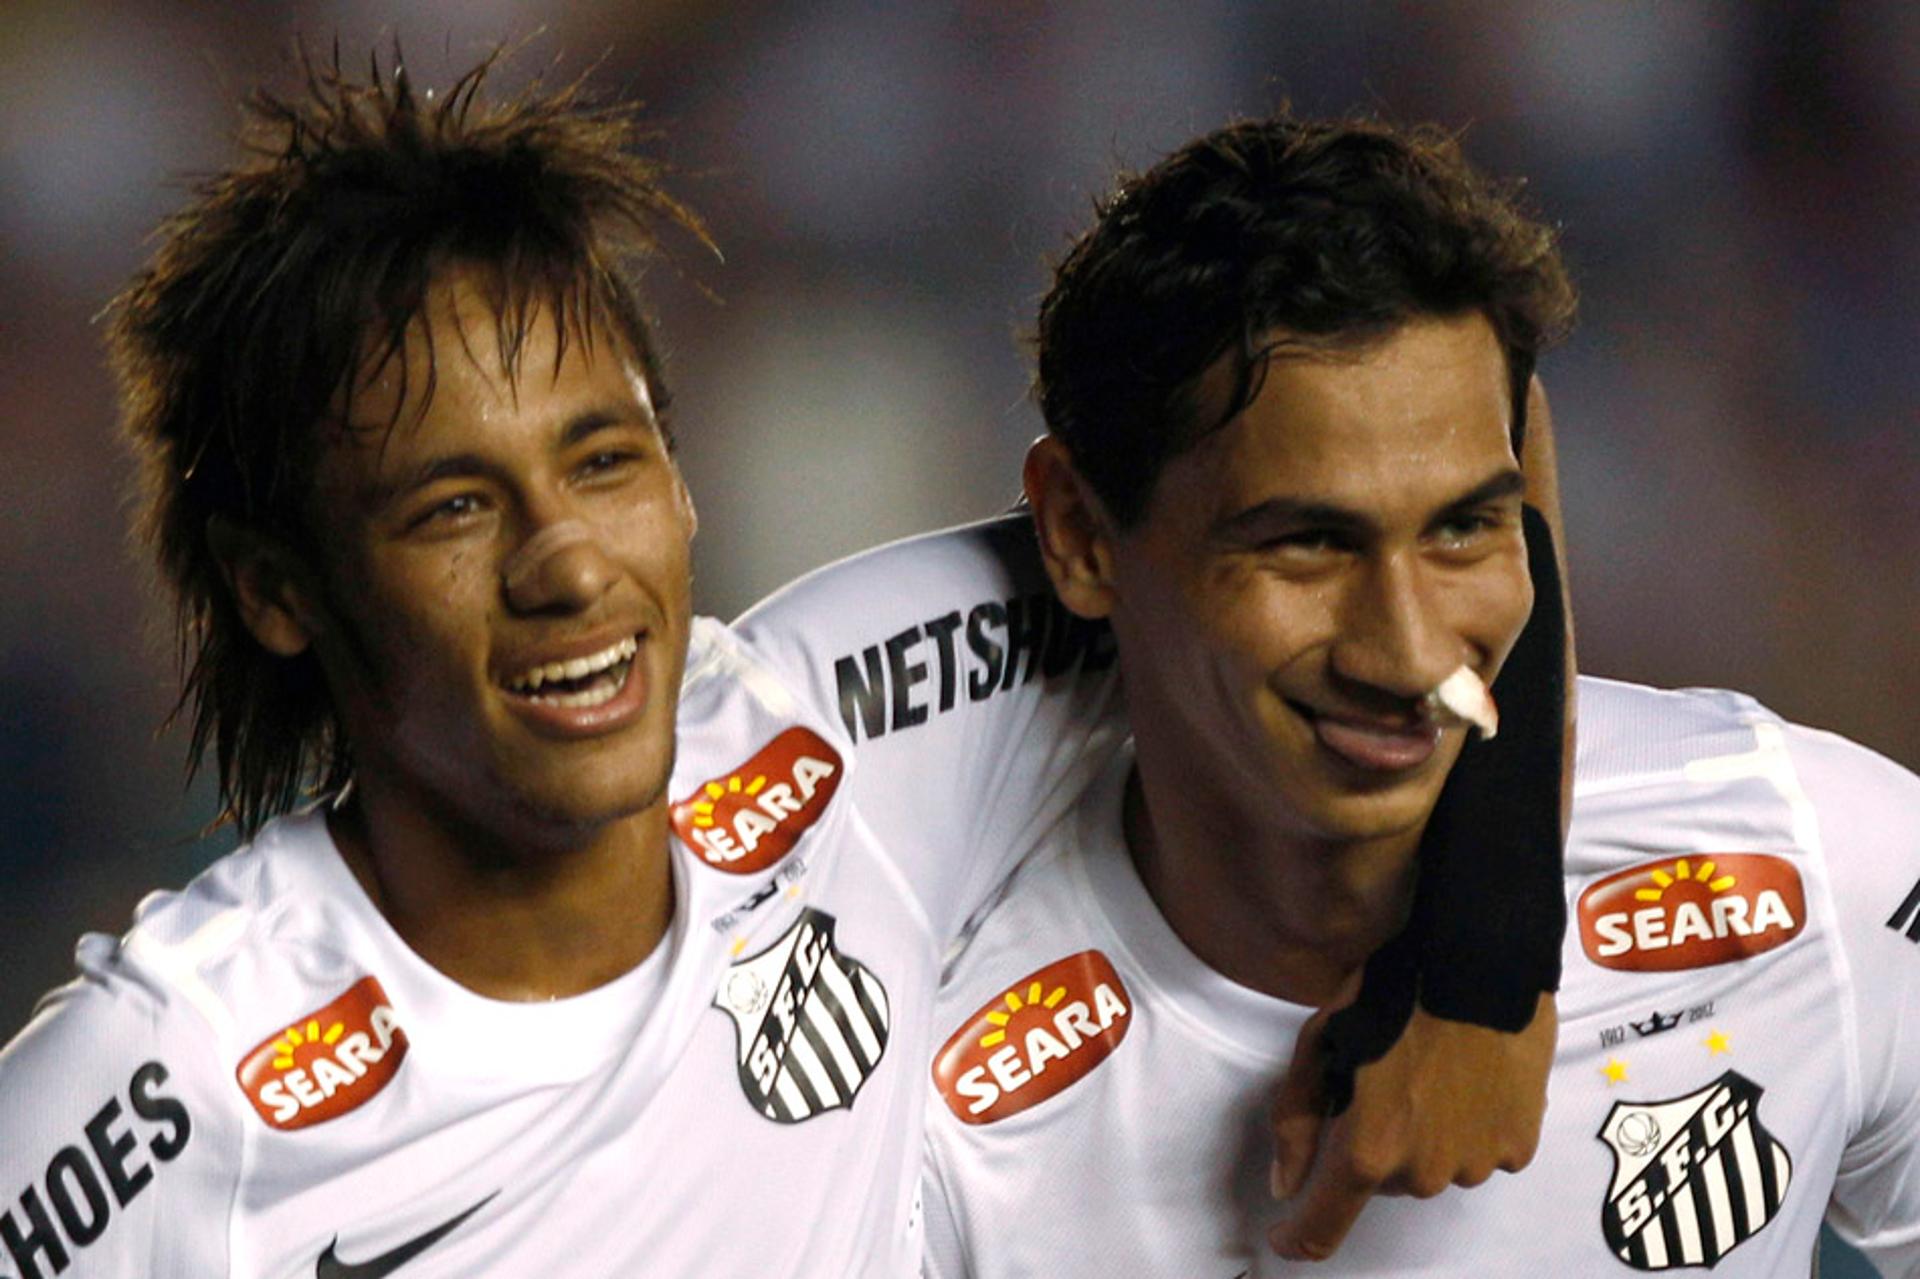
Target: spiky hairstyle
column 239, row 346
column 1313, row 232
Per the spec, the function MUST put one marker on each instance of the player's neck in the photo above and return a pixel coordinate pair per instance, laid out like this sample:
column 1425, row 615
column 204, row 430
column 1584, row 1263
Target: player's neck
column 521, row 919
column 1269, row 907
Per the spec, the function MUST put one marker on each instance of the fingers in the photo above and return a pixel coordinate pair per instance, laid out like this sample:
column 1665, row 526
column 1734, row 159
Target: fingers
column 1354, row 1168
column 1352, row 1159
column 1427, row 1174
column 1296, row 1115
column 1449, row 1105
column 1324, row 1211
column 1524, row 1140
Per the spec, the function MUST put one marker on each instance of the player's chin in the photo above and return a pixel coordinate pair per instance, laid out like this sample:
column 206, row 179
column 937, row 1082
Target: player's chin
column 582, row 810
column 1379, row 813
column 585, row 794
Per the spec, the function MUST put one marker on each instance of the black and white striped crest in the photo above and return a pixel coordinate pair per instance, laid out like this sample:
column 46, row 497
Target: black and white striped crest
column 811, row 1022
column 1693, row 1177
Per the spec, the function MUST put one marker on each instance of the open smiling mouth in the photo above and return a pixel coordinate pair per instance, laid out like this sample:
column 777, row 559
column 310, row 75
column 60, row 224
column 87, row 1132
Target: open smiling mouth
column 581, row 683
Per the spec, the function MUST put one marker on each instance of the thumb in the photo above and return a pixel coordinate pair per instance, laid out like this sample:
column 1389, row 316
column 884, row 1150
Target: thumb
column 1298, row 1111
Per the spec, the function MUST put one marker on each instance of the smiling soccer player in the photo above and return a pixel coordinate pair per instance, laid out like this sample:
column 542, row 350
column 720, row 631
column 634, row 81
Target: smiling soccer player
column 1281, row 375
column 588, row 960
column 609, row 940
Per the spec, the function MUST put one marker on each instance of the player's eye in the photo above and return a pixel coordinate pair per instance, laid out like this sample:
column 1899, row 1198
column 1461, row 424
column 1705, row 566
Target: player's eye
column 1308, row 542
column 448, row 513
column 1464, row 527
column 607, row 463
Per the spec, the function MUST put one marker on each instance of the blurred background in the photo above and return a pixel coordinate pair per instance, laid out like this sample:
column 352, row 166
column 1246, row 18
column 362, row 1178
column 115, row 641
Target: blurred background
column 1736, row 184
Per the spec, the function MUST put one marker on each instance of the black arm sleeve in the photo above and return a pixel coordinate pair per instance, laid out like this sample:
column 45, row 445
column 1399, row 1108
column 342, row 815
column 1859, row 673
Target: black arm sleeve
column 1490, row 908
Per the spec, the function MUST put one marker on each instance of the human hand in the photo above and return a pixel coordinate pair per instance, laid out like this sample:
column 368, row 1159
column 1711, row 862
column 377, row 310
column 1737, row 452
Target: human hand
column 1448, row 1105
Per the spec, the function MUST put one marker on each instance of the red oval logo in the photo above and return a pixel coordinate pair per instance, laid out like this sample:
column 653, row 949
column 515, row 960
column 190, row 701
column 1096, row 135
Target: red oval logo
column 333, row 1060
column 750, row 819
column 1692, row 912
column 1040, row 1035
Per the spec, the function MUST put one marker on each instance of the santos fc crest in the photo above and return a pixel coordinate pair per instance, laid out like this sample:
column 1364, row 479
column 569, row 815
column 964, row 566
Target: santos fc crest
column 1693, row 1177
column 811, row 1022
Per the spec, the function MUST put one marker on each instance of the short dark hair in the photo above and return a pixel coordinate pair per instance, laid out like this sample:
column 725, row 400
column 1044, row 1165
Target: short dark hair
column 287, row 275
column 1324, row 232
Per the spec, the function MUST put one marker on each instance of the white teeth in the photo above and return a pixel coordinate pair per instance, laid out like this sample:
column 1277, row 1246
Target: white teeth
column 578, row 668
column 589, row 697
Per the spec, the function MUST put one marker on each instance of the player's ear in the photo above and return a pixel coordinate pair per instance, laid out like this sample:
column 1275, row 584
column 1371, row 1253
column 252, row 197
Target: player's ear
column 683, row 499
column 1076, row 540
column 268, row 582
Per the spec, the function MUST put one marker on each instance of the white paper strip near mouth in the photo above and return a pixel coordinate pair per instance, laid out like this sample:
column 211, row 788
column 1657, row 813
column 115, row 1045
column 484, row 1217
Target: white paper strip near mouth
column 1462, row 698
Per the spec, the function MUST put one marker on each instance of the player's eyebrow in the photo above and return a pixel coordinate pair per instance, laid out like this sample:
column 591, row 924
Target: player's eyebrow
column 581, row 426
column 1503, row 484
column 584, row 424
column 450, row 466
column 1287, row 512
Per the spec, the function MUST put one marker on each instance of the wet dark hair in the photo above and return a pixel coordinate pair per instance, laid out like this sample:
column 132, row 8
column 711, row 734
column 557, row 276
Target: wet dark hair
column 240, row 345
column 1269, row 233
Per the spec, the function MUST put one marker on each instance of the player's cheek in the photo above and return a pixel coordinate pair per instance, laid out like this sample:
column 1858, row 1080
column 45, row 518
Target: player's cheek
column 1495, row 612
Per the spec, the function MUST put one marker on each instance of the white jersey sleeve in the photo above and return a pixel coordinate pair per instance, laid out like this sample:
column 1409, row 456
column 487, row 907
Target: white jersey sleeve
column 1869, row 823
column 119, row 1150
column 979, row 707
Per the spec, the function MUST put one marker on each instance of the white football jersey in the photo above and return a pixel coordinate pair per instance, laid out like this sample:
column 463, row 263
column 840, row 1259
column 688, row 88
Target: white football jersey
column 1739, row 1023
column 261, row 1079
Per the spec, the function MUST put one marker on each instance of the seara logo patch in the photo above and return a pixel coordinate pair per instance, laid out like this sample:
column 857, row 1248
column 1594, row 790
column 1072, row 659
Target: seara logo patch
column 1040, row 1035
column 1692, row 912
column 750, row 819
column 331, row 1061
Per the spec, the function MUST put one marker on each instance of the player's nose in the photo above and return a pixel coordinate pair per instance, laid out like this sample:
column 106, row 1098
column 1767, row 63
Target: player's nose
column 1393, row 633
column 562, row 567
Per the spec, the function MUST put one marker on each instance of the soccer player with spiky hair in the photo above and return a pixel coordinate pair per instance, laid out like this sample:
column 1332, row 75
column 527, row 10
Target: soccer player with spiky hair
column 608, row 945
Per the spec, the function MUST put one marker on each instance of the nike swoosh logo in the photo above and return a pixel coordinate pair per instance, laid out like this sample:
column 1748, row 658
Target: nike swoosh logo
column 331, row 1267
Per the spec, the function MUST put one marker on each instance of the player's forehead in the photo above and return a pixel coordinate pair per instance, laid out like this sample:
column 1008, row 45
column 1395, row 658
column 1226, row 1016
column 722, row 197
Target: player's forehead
column 476, row 344
column 1359, row 422
column 472, row 387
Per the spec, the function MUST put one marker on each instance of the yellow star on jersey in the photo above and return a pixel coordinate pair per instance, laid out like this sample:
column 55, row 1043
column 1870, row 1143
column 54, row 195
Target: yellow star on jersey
column 1615, row 1070
column 1716, row 1044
